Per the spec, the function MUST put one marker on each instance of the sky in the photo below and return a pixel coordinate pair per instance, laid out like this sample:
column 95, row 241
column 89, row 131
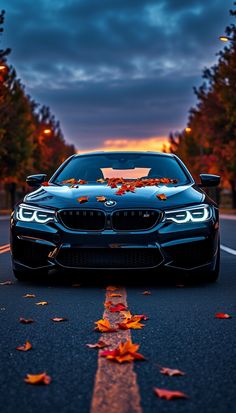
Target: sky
column 118, row 74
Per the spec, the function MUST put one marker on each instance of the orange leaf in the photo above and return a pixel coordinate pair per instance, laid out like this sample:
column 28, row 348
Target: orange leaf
column 134, row 324
column 29, row 296
column 146, row 293
column 115, row 295
column 101, row 198
column 101, row 180
column 26, row 321
column 108, row 304
column 42, row 303
column 27, row 346
column 104, row 326
column 117, row 308
column 59, row 319
column 45, row 184
column 82, row 199
column 6, row 283
column 171, row 372
column 112, row 288
column 162, row 197
column 222, row 315
column 82, row 182
column 99, row 344
column 169, row 394
column 41, row 378
column 125, row 352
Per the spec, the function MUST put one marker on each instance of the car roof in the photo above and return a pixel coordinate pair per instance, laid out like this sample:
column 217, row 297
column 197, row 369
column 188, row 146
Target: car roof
column 169, row 155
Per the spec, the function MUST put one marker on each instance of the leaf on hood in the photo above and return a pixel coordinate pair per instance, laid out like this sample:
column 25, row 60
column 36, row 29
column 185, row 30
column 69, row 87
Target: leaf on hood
column 146, row 293
column 29, row 296
column 99, row 344
column 83, row 199
column 41, row 378
column 101, row 180
column 115, row 295
column 222, row 315
column 101, row 198
column 171, row 372
column 104, row 326
column 82, row 182
column 42, row 303
column 25, row 320
column 169, row 394
column 117, row 308
column 26, row 347
column 162, row 197
column 120, row 191
column 8, row 282
column 125, row 352
column 59, row 319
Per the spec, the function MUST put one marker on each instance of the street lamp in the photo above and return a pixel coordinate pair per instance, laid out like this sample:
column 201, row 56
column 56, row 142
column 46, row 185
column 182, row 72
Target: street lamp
column 226, row 39
column 188, row 129
column 3, row 68
column 47, row 131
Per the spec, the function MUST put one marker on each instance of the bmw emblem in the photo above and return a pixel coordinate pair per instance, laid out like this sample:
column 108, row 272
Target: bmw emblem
column 110, row 203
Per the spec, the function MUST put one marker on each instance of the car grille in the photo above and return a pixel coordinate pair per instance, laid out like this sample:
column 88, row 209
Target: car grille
column 109, row 257
column 134, row 220
column 121, row 220
column 84, row 220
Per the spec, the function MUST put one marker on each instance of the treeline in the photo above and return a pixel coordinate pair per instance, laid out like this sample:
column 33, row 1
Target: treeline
column 208, row 144
column 31, row 139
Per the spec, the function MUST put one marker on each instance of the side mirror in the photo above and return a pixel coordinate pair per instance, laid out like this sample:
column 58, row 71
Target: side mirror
column 209, row 180
column 35, row 180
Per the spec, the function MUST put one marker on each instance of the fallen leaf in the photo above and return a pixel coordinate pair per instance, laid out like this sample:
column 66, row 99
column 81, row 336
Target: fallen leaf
column 104, row 326
column 82, row 199
column 112, row 288
column 101, row 198
column 171, row 372
column 222, row 315
column 82, row 182
column 146, row 293
column 108, row 304
column 27, row 346
column 42, row 303
column 115, row 295
column 99, row 344
column 162, row 197
column 101, row 180
column 6, row 283
column 29, row 296
column 131, row 324
column 169, row 394
column 41, row 378
column 117, row 308
column 125, row 352
column 59, row 319
column 26, row 321
column 45, row 183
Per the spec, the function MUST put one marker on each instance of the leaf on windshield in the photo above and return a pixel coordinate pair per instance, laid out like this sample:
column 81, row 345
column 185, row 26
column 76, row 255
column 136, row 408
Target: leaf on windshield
column 82, row 199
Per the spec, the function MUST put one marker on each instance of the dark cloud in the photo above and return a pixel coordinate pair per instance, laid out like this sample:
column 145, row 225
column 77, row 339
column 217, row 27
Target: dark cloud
column 119, row 68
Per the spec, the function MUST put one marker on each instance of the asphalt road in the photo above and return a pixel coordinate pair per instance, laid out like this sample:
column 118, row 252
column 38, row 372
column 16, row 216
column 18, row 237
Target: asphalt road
column 181, row 333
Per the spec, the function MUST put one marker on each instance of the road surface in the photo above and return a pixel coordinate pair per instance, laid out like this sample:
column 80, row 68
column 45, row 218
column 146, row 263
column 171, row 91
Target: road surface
column 181, row 333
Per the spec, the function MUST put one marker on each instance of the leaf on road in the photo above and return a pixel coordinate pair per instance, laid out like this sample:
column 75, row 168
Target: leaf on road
column 82, row 199
column 101, row 198
column 146, row 293
column 117, row 308
column 115, row 295
column 162, row 197
column 26, row 321
column 29, row 296
column 171, row 372
column 41, row 378
column 99, row 344
column 222, row 315
column 169, row 394
column 108, row 304
column 128, row 316
column 112, row 288
column 26, row 347
column 125, row 352
column 8, row 282
column 133, row 323
column 59, row 319
column 104, row 326
column 42, row 303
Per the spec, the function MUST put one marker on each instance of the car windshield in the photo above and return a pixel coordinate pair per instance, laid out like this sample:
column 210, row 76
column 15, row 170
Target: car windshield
column 121, row 165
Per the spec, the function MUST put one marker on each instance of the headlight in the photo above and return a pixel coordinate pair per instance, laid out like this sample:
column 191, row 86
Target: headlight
column 30, row 213
column 193, row 214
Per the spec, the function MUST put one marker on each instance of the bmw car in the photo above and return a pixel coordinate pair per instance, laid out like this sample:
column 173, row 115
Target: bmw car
column 117, row 211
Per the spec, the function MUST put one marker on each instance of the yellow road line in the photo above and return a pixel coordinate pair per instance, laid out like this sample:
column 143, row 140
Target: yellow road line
column 115, row 389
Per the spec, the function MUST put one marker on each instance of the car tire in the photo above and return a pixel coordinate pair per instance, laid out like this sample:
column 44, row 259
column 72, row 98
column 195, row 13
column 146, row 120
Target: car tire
column 22, row 275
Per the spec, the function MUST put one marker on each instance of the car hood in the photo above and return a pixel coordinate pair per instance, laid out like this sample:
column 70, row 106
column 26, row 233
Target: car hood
column 59, row 197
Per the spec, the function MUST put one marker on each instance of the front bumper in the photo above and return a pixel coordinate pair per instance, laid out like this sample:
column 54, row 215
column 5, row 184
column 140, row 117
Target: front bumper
column 180, row 246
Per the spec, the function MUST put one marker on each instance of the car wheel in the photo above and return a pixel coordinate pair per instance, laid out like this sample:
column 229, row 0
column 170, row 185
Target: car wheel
column 22, row 275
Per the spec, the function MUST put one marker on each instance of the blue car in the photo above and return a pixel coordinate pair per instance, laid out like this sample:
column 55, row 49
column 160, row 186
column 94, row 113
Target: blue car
column 117, row 210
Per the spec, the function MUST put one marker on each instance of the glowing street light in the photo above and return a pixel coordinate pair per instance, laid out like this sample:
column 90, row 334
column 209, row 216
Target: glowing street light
column 188, row 129
column 226, row 39
column 47, row 131
column 3, row 68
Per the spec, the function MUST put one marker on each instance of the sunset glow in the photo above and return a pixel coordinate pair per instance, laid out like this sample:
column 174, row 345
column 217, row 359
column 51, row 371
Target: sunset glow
column 155, row 144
